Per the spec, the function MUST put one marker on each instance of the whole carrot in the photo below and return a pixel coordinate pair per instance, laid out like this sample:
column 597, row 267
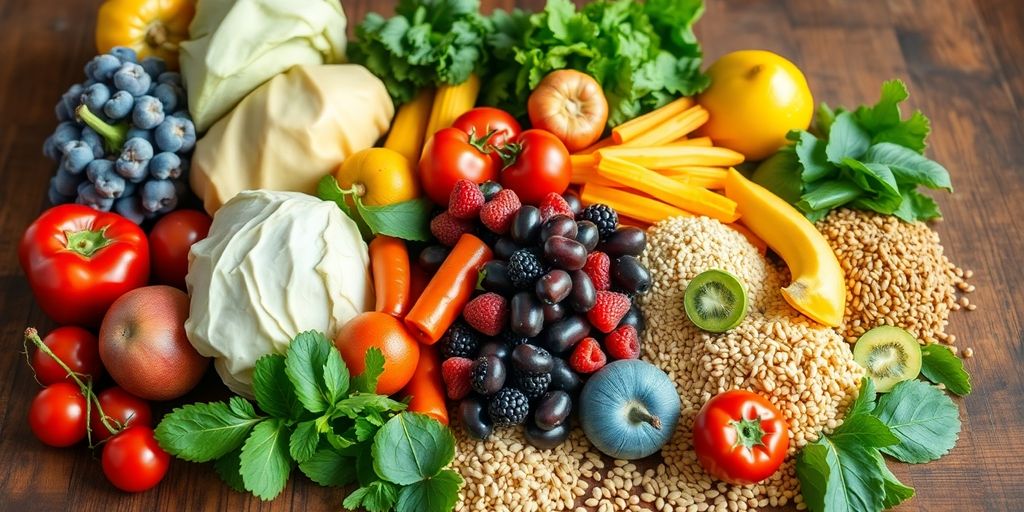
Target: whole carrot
column 449, row 290
column 418, row 279
column 389, row 263
column 426, row 389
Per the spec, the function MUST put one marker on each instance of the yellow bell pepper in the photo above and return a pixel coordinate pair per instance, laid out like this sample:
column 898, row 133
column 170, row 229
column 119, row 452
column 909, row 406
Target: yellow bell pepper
column 150, row 27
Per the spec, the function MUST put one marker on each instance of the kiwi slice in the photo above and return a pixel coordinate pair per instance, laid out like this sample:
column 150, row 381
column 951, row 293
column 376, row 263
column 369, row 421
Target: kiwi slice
column 715, row 301
column 889, row 354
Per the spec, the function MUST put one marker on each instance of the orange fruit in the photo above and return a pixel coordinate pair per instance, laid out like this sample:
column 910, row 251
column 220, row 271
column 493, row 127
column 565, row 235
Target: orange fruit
column 383, row 176
column 386, row 333
column 755, row 98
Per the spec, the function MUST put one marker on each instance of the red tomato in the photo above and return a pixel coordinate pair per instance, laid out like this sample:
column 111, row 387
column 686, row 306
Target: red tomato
column 539, row 165
column 170, row 241
column 480, row 121
column 123, row 408
column 76, row 347
column 740, row 437
column 57, row 415
column 452, row 155
column 133, row 461
column 79, row 261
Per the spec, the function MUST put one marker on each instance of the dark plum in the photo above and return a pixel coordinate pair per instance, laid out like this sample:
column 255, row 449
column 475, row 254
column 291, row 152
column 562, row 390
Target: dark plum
column 553, row 313
column 495, row 348
column 494, row 278
column 558, row 225
column 583, row 294
column 565, row 253
column 526, row 314
column 563, row 377
column 526, row 225
column 565, row 334
column 532, row 359
column 634, row 317
column 431, row 258
column 631, row 276
column 546, row 439
column 552, row 409
column 626, row 240
column 473, row 414
column 574, row 201
column 553, row 287
column 488, row 375
column 504, row 248
column 587, row 234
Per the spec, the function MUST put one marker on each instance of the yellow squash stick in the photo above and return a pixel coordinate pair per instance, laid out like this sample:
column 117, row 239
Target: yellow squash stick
column 704, row 177
column 666, row 157
column 644, row 124
column 408, row 131
column 681, row 195
column 630, row 204
column 696, row 141
column 603, row 143
column 584, row 175
column 672, row 129
column 451, row 101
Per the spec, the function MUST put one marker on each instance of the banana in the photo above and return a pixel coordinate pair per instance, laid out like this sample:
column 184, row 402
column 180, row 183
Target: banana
column 818, row 289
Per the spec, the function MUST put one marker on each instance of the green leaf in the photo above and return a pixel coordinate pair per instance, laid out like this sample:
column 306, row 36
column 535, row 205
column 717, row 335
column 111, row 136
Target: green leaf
column 865, row 402
column 365, row 473
column 438, row 494
column 265, row 463
column 780, row 173
column 303, row 441
column 411, row 447
column 203, row 432
column 840, row 477
column 407, row 220
column 829, row 194
column 330, row 468
column 910, row 133
column 329, row 190
column 227, row 468
column 909, row 167
column 895, row 491
column 274, row 392
column 242, row 407
column 917, row 206
column 875, row 178
column 359, row 404
column 826, row 116
column 846, row 140
column 304, row 365
column 885, row 113
column 378, row 496
column 925, row 420
column 864, row 430
column 365, row 429
column 810, row 150
column 336, row 377
column 940, row 365
column 366, row 382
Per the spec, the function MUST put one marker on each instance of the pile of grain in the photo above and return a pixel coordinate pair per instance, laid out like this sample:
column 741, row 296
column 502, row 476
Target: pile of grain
column 805, row 370
column 896, row 274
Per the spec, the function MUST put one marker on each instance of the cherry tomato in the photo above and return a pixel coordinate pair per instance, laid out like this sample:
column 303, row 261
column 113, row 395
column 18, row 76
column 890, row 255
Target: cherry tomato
column 452, row 155
column 122, row 407
column 740, row 437
column 57, row 415
column 483, row 120
column 77, row 347
column 539, row 165
column 170, row 241
column 571, row 105
column 133, row 461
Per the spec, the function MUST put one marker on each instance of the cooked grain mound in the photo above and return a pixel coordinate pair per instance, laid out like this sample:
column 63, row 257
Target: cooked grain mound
column 896, row 274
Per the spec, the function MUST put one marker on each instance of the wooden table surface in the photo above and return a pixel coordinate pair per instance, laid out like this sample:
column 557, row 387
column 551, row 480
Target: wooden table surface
column 963, row 61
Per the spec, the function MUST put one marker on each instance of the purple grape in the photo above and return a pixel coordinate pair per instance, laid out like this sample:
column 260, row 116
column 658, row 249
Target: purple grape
column 96, row 96
column 170, row 77
column 94, row 141
column 77, row 155
column 147, row 113
column 176, row 135
column 165, row 165
column 133, row 162
column 65, row 183
column 168, row 95
column 119, row 105
column 159, row 194
column 132, row 79
column 102, row 67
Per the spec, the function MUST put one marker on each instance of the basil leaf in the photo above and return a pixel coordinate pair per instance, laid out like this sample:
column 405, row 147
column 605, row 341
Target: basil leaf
column 329, row 190
column 885, row 113
column 410, row 448
column 406, row 220
column 840, row 477
column 366, row 382
column 304, row 366
column 829, row 194
column 910, row 133
column 336, row 377
column 227, row 467
column 273, row 392
column 303, row 441
column 356, row 405
column 909, row 167
column 865, row 402
column 203, row 432
column 811, row 152
column 864, row 430
column 365, row 429
column 879, row 181
column 846, row 139
column 940, row 365
column 329, row 468
column 780, row 173
column 917, row 206
column 925, row 420
column 265, row 463
column 437, row 494
column 895, row 491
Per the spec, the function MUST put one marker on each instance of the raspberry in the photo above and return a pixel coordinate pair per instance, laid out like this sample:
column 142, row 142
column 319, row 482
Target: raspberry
column 447, row 229
column 487, row 313
column 554, row 204
column 608, row 310
column 599, row 268
column 602, row 215
column 455, row 373
column 587, row 357
column 466, row 200
column 623, row 343
column 497, row 213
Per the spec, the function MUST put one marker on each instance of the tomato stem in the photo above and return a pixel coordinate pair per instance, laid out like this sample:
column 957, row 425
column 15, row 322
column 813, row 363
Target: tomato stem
column 482, row 144
column 87, row 242
column 639, row 414
column 748, row 432
column 113, row 135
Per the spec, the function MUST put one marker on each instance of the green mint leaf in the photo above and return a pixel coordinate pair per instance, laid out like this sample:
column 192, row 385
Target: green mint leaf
column 940, row 365
column 846, row 140
column 864, row 430
column 895, row 491
column 304, row 366
column 366, row 382
column 407, row 220
column 329, row 468
column 329, row 190
column 242, row 407
column 336, row 441
column 810, row 150
column 865, row 402
column 380, row 496
column 916, row 206
column 274, row 393
column 411, row 447
column 364, row 464
column 828, row 194
column 840, row 476
column 365, row 429
column 910, row 133
column 227, row 468
column 909, row 167
column 360, row 404
column 439, row 493
column 336, row 376
column 885, row 113
column 355, row 499
column 876, row 179
column 203, row 432
column 303, row 441
column 265, row 463
column 925, row 420
column 780, row 173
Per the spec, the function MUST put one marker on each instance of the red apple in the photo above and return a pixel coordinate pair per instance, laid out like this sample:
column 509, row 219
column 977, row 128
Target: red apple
column 143, row 344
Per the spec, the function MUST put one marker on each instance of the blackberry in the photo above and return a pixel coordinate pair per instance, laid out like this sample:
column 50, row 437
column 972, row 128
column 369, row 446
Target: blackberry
column 524, row 268
column 532, row 385
column 602, row 215
column 508, row 407
column 460, row 340
column 487, row 375
column 513, row 340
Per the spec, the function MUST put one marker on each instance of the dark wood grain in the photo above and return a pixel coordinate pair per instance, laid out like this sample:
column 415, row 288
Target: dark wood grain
column 963, row 60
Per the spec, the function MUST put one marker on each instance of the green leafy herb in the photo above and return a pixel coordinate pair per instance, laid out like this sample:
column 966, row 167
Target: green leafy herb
column 895, row 491
column 870, row 158
column 439, row 492
column 304, row 441
column 204, row 432
column 329, row 468
column 265, row 463
column 278, row 401
column 940, row 365
column 407, row 220
column 329, row 190
column 403, row 457
column 379, row 496
column 925, row 420
column 367, row 381
column 228, row 468
column 307, row 357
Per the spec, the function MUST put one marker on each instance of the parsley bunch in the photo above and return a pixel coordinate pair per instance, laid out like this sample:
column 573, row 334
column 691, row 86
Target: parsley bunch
column 328, row 423
column 870, row 158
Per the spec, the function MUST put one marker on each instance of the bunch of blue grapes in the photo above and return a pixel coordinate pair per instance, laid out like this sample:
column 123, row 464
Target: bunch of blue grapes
column 124, row 139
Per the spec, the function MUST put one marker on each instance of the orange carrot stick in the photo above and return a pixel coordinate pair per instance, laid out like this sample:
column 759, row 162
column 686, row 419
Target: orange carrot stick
column 389, row 263
column 449, row 290
column 426, row 388
column 418, row 279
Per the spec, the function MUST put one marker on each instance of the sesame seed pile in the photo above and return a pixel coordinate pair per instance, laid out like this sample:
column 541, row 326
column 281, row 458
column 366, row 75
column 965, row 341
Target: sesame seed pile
column 896, row 274
column 805, row 370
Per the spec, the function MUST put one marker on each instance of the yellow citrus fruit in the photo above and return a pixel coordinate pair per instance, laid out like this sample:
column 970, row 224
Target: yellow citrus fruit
column 384, row 176
column 755, row 98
